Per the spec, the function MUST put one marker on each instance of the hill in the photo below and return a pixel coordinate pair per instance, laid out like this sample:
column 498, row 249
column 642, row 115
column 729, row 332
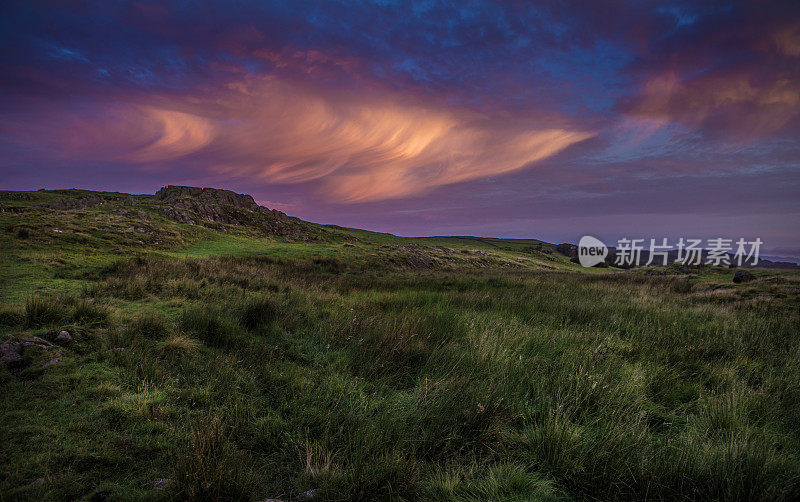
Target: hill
column 94, row 229
column 193, row 345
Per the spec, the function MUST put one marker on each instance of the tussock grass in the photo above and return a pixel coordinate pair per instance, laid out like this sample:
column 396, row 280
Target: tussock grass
column 211, row 326
column 43, row 310
column 178, row 345
column 208, row 467
column 263, row 377
column 150, row 325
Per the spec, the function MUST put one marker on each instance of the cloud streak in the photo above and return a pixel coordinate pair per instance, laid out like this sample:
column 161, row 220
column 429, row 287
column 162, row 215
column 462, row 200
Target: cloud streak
column 414, row 117
column 377, row 147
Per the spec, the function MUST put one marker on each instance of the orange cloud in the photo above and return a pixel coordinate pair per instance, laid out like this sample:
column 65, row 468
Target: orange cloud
column 744, row 103
column 355, row 148
column 179, row 134
column 373, row 148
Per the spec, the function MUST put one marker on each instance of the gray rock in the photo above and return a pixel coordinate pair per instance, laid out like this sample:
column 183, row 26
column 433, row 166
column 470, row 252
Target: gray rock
column 35, row 341
column 306, row 496
column 51, row 362
column 162, row 483
column 116, row 349
column 64, row 336
column 83, row 202
column 9, row 353
column 208, row 195
column 743, row 276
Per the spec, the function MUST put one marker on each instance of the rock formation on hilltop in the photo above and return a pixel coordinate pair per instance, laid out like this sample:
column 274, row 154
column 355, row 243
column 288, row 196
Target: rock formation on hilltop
column 194, row 205
column 173, row 193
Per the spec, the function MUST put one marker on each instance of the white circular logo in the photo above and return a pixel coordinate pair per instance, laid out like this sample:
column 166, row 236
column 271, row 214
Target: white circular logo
column 591, row 251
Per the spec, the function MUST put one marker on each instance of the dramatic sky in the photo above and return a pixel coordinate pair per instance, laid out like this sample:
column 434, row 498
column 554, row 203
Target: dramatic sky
column 501, row 118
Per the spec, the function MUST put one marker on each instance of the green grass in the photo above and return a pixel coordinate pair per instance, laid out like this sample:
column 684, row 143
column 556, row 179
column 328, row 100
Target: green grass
column 255, row 368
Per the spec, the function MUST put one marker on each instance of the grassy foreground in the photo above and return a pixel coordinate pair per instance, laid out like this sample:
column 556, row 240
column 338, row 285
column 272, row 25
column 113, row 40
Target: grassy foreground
column 229, row 365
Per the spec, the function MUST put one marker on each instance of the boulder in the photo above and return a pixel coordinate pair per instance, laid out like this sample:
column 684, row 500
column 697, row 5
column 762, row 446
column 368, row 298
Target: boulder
column 305, row 496
column 51, row 362
column 9, row 353
column 35, row 341
column 64, row 336
column 172, row 193
column 162, row 483
column 743, row 276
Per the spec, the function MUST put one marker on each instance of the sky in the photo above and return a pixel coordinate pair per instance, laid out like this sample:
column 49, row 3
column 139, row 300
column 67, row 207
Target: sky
column 543, row 119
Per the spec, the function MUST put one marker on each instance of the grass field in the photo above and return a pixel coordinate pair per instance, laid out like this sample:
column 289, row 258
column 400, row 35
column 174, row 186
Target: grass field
column 232, row 365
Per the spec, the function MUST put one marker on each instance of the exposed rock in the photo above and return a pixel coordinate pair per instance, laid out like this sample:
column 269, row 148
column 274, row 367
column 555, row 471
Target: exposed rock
column 194, row 206
column 51, row 362
column 568, row 250
column 9, row 353
column 415, row 256
column 83, row 202
column 64, row 336
column 35, row 341
column 174, row 193
column 116, row 349
column 743, row 276
column 305, row 496
column 162, row 483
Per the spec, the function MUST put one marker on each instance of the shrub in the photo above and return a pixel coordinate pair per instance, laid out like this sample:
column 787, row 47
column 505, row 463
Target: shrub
column 23, row 233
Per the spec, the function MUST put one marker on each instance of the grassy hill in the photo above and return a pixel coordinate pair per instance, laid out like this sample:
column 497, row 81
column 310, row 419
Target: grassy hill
column 225, row 352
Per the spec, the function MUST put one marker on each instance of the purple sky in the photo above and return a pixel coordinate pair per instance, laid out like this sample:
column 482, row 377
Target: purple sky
column 495, row 118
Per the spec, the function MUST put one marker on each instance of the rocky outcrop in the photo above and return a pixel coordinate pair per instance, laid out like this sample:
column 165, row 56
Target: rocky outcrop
column 206, row 196
column 84, row 202
column 568, row 250
column 743, row 276
column 195, row 206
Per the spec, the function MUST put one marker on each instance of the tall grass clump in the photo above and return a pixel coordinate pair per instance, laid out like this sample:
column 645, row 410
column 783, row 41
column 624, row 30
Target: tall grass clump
column 11, row 316
column 209, row 467
column 211, row 326
column 150, row 325
column 85, row 311
column 257, row 313
column 43, row 310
